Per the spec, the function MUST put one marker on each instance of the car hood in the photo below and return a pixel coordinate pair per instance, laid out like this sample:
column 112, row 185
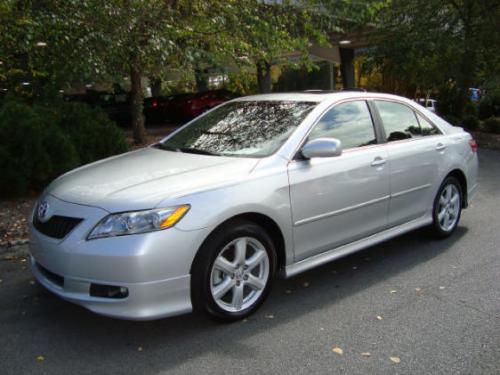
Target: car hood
column 142, row 179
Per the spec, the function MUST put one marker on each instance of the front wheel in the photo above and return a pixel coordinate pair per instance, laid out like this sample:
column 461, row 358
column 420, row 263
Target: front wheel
column 447, row 207
column 233, row 271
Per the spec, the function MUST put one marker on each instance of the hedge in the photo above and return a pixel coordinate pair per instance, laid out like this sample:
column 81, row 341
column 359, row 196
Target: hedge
column 38, row 143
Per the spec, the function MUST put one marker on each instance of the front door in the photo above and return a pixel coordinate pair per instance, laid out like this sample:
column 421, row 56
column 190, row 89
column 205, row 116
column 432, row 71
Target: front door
column 337, row 200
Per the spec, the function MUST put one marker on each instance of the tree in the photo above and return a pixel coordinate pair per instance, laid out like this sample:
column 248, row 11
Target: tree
column 424, row 45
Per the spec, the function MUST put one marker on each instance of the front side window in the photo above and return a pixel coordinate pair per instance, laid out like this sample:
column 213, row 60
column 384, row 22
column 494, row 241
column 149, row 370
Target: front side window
column 350, row 122
column 245, row 128
column 399, row 121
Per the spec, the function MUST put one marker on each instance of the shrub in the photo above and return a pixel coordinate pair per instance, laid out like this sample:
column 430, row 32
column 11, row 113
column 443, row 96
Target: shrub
column 454, row 120
column 39, row 143
column 93, row 134
column 470, row 109
column 489, row 106
column 492, row 125
column 32, row 149
column 470, row 122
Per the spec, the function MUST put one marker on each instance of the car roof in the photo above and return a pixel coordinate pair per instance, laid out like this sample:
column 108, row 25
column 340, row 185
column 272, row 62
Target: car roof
column 319, row 96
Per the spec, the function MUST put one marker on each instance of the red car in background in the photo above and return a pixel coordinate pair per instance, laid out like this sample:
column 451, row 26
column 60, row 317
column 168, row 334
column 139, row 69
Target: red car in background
column 185, row 107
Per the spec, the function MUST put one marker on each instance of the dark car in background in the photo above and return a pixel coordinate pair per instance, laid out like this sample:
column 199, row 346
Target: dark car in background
column 116, row 106
column 157, row 110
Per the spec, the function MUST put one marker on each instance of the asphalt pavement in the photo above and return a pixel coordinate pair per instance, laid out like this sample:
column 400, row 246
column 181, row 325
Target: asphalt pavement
column 412, row 305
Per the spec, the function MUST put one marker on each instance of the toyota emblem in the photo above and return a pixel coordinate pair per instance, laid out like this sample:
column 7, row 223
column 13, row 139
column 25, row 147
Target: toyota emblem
column 43, row 209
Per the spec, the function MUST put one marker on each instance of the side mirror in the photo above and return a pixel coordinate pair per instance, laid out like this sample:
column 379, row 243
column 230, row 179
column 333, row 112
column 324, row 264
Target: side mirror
column 322, row 148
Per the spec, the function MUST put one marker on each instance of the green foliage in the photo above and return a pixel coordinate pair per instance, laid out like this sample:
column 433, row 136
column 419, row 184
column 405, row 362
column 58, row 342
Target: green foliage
column 427, row 44
column 90, row 130
column 489, row 105
column 38, row 143
column 470, row 122
column 449, row 101
column 32, row 149
column 492, row 125
column 454, row 120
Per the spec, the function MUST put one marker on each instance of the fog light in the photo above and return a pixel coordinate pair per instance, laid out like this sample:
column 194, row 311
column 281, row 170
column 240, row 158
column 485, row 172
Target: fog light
column 108, row 291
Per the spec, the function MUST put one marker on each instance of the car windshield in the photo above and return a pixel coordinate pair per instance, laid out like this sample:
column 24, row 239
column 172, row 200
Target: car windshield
column 243, row 128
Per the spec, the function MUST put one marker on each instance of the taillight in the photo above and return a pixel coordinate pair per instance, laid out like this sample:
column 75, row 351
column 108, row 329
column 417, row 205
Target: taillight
column 155, row 104
column 473, row 145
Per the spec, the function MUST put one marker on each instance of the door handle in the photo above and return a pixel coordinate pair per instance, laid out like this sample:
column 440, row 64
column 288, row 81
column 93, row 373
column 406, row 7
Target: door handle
column 440, row 147
column 378, row 161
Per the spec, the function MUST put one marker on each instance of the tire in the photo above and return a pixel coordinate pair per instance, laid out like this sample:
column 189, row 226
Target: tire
column 447, row 208
column 233, row 271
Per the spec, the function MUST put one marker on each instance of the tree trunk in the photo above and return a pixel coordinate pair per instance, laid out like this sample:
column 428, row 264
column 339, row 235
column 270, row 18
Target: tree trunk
column 201, row 78
column 136, row 105
column 468, row 63
column 155, row 86
column 264, row 76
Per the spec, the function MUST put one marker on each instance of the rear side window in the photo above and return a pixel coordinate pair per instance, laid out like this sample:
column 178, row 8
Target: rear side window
column 351, row 123
column 426, row 128
column 399, row 121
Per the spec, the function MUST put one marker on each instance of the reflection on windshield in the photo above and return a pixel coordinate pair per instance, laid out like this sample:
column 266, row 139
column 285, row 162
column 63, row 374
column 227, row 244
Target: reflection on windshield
column 246, row 128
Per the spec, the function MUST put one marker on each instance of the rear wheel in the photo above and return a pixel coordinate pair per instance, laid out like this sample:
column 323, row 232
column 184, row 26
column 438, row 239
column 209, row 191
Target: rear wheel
column 447, row 207
column 233, row 271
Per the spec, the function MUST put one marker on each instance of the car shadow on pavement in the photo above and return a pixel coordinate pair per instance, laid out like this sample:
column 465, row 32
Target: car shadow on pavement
column 70, row 333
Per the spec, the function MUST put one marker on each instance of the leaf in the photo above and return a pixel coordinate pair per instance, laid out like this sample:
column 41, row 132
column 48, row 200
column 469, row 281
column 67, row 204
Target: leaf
column 338, row 351
column 366, row 354
column 40, row 358
column 395, row 359
column 379, row 317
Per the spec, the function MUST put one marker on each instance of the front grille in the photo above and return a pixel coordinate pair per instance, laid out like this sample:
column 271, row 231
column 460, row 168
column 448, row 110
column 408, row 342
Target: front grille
column 56, row 226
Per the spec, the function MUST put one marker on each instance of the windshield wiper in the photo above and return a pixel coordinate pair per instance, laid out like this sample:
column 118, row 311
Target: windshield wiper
column 197, row 151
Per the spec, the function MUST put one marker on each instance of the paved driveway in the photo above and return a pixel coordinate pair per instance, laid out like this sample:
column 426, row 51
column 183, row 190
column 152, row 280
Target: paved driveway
column 434, row 306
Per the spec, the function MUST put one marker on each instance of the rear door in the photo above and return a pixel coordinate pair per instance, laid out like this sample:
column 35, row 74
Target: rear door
column 340, row 199
column 415, row 150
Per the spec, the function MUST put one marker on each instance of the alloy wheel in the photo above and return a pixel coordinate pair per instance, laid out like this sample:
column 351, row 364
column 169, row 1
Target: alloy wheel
column 239, row 274
column 448, row 207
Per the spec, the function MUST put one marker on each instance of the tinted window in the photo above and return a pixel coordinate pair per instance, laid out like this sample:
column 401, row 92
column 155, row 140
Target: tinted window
column 399, row 121
column 426, row 127
column 246, row 128
column 351, row 123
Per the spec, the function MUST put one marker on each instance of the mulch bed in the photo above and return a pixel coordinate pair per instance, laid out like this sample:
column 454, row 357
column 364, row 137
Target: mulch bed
column 14, row 213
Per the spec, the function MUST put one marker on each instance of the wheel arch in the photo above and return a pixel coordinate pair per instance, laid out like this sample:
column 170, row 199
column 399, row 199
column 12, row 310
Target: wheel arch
column 267, row 223
column 460, row 176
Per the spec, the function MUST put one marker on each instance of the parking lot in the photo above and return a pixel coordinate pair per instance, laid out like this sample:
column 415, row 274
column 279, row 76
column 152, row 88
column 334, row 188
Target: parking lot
column 410, row 305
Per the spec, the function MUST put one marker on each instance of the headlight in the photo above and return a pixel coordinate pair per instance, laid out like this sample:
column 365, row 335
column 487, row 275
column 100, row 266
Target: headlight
column 138, row 222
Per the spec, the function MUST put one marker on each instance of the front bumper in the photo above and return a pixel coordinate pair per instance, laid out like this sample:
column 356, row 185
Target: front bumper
column 154, row 267
column 145, row 301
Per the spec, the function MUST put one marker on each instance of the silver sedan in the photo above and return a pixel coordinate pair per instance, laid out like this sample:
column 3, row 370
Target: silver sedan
column 259, row 187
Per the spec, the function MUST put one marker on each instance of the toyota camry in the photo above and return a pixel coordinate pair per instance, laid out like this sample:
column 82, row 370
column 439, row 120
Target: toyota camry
column 259, row 187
